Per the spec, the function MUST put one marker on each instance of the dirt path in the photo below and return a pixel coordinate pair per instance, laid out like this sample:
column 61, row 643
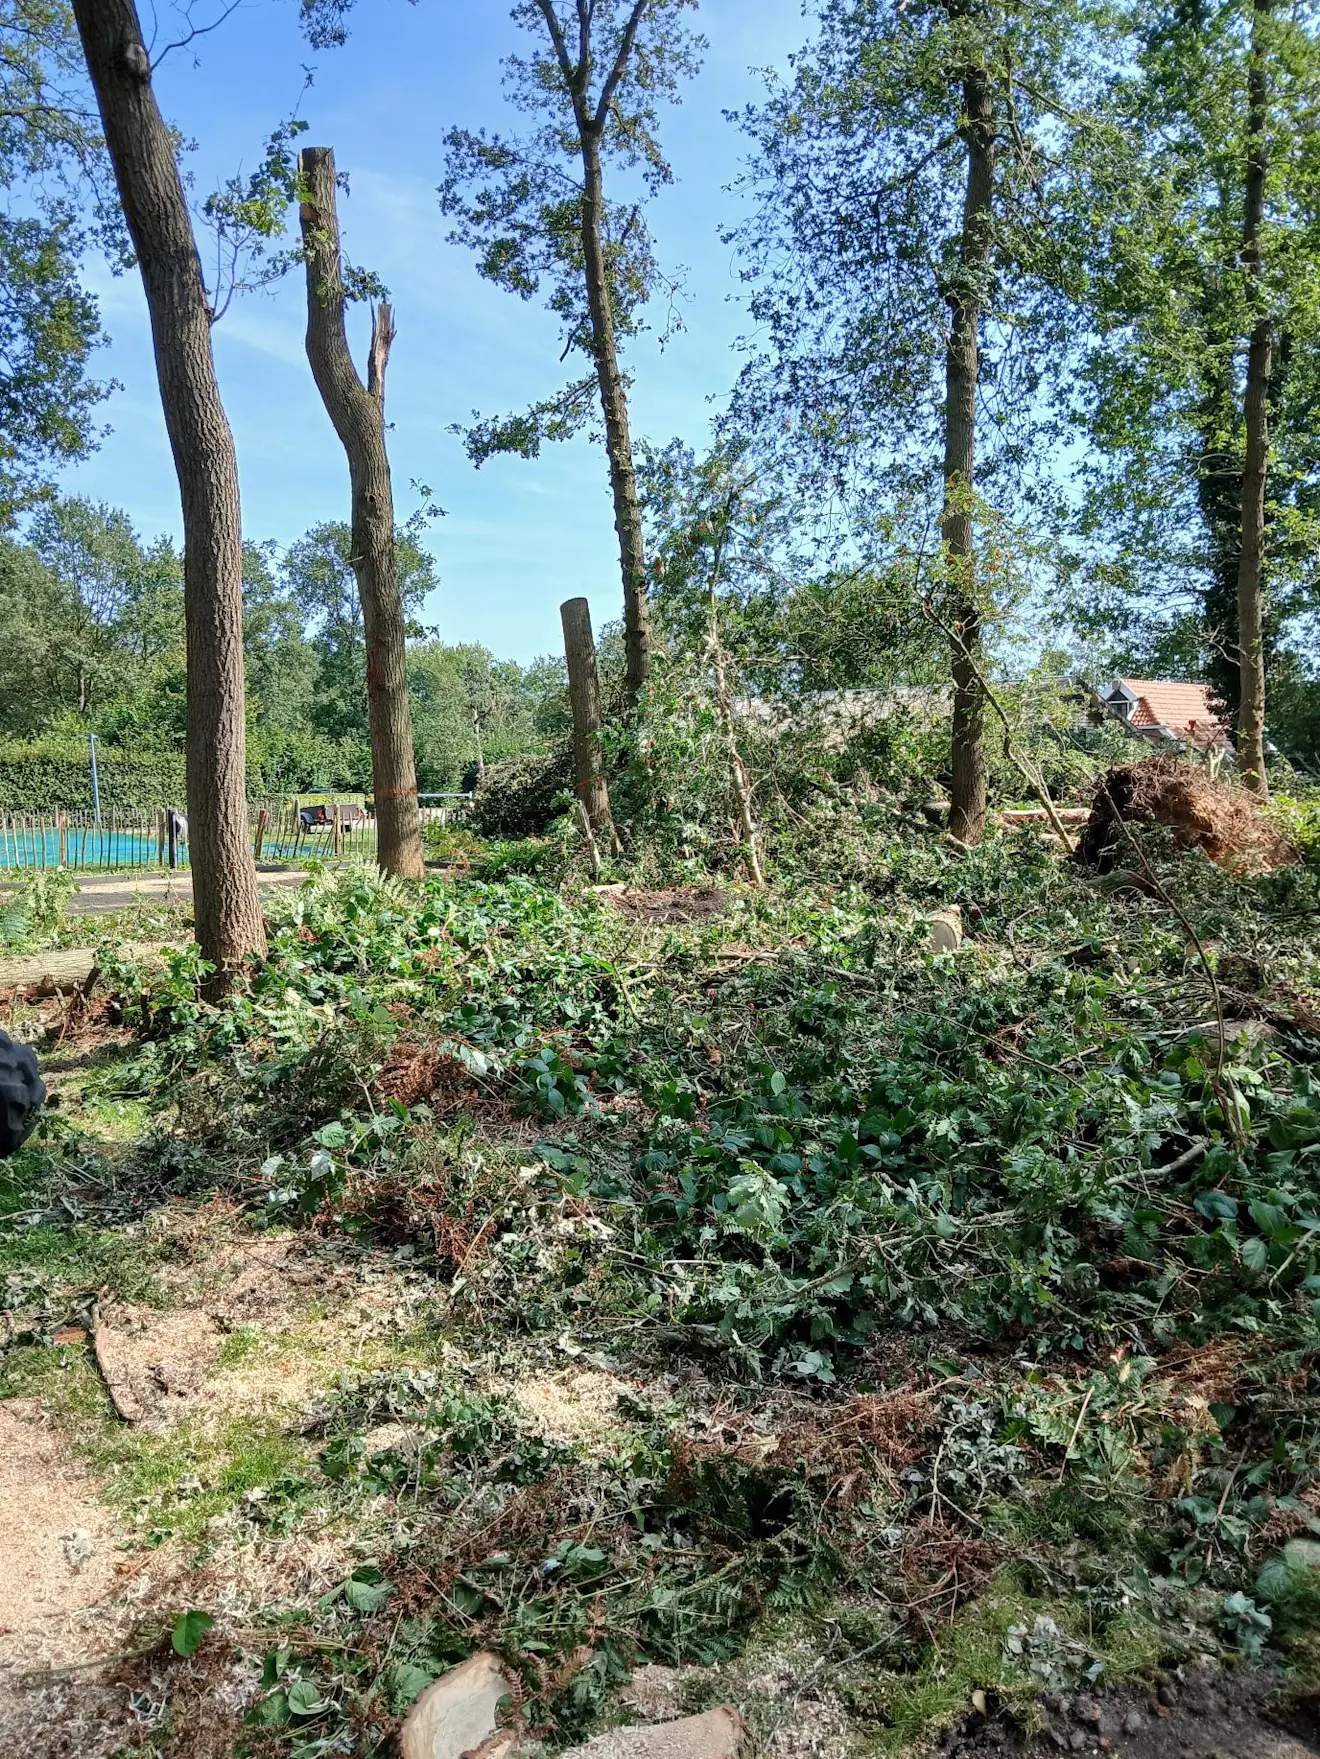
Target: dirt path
column 102, row 895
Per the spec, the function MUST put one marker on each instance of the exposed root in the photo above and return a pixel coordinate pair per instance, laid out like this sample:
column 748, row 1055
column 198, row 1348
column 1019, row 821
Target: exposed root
column 1202, row 814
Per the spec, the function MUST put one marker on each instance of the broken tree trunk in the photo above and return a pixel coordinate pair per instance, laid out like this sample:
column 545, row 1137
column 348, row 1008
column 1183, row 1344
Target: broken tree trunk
column 358, row 414
column 584, row 695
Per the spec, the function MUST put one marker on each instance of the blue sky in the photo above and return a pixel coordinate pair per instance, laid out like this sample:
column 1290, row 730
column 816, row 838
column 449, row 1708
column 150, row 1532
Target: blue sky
column 519, row 535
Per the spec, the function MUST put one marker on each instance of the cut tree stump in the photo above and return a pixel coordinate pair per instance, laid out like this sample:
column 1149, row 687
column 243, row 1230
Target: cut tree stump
column 458, row 1714
column 715, row 1734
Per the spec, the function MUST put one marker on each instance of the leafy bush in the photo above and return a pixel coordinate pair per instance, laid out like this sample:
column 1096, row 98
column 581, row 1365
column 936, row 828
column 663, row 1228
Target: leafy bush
column 522, row 796
column 35, row 908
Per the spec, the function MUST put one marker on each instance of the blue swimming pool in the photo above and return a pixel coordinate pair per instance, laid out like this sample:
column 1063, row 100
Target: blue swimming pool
column 79, row 846
column 113, row 851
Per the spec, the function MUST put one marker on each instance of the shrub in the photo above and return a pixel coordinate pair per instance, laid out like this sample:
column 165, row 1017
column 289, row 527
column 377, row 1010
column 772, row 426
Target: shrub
column 521, row 796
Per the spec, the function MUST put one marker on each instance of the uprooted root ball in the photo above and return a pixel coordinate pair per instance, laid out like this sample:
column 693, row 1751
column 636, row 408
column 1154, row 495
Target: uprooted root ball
column 1201, row 812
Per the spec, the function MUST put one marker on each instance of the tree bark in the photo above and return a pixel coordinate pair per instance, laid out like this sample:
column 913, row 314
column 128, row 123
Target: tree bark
column 358, row 414
column 739, row 780
column 618, row 439
column 584, row 694
column 967, row 812
column 229, row 926
column 1260, row 360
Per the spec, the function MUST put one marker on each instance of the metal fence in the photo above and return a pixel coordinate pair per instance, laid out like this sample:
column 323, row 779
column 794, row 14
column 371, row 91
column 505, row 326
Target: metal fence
column 121, row 838
column 126, row 839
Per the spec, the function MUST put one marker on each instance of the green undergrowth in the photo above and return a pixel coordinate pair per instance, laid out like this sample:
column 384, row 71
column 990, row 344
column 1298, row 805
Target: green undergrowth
column 959, row 1310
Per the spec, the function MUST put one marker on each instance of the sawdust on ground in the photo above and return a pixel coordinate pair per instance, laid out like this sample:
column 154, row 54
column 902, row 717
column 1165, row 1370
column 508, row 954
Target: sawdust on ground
column 579, row 1406
column 57, row 1543
column 163, row 1365
column 70, row 1596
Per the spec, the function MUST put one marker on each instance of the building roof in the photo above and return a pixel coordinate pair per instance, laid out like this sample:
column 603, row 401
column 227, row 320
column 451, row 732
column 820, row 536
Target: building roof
column 1186, row 711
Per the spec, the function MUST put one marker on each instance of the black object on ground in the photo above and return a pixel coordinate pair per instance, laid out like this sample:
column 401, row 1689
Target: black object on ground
column 22, row 1093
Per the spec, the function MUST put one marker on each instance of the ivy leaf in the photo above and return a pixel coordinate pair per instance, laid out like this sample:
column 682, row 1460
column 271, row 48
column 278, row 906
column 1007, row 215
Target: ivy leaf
column 272, row 1712
column 365, row 1595
column 1217, row 1206
column 407, row 1682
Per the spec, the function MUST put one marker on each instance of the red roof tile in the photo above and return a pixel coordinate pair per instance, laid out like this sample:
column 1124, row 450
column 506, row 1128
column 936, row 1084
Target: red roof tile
column 1189, row 710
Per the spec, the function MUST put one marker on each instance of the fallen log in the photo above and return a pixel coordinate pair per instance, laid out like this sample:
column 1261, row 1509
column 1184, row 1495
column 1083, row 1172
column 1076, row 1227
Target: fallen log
column 1037, row 815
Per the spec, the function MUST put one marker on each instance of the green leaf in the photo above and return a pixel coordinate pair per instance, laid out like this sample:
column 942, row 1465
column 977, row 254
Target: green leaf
column 189, row 1629
column 1217, row 1205
column 305, row 1699
column 364, row 1595
column 1276, row 1580
column 272, row 1712
column 407, row 1682
column 1255, row 1255
column 273, row 1667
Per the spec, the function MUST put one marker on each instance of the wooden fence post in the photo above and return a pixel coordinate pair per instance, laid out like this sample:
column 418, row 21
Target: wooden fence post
column 335, row 832
column 584, row 695
column 63, row 824
column 260, row 837
column 172, row 837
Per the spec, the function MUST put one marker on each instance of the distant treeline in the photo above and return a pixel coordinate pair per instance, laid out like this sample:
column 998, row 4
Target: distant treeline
column 94, row 643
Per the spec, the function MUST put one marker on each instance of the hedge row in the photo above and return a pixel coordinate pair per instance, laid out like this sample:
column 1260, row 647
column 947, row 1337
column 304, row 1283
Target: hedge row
column 44, row 775
column 49, row 775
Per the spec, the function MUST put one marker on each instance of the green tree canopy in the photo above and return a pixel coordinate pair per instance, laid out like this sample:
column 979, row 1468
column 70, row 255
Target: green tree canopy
column 1160, row 392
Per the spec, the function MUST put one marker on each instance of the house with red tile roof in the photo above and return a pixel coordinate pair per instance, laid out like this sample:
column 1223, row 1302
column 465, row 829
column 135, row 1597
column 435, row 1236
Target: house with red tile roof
column 1164, row 709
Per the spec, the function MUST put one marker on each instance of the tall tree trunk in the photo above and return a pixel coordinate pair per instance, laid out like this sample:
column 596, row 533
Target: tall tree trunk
column 142, row 150
column 739, row 780
column 1219, row 498
column 1260, row 360
column 584, row 695
column 358, row 414
column 968, row 806
column 618, row 440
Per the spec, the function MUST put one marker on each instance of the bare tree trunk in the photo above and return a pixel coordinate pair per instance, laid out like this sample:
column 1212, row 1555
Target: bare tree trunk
column 1260, row 360
column 968, row 807
column 142, row 150
column 618, row 440
column 584, row 694
column 358, row 414
column 738, row 777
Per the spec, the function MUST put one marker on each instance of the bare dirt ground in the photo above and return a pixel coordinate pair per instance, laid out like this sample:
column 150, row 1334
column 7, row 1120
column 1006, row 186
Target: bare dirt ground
column 72, row 1596
column 1207, row 1714
column 57, row 1542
